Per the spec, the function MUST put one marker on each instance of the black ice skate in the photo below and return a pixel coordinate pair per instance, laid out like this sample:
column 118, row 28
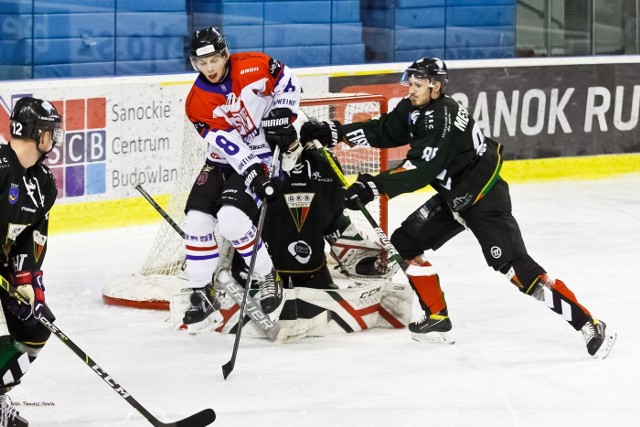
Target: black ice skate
column 599, row 338
column 203, row 303
column 433, row 328
column 9, row 416
column 271, row 294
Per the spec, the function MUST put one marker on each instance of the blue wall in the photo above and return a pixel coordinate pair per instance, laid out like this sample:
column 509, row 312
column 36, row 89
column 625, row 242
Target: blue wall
column 71, row 38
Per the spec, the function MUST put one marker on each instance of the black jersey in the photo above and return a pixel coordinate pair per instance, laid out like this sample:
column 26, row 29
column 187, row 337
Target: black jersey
column 447, row 150
column 306, row 210
column 26, row 196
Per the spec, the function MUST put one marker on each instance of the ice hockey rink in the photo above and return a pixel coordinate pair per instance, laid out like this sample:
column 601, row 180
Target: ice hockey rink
column 515, row 363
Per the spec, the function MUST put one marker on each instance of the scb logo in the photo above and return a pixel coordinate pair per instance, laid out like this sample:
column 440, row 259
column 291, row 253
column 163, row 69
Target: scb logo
column 79, row 164
column 79, row 147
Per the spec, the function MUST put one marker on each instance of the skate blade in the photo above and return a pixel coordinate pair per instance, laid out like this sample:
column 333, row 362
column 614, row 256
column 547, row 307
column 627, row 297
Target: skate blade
column 209, row 324
column 434, row 337
column 607, row 345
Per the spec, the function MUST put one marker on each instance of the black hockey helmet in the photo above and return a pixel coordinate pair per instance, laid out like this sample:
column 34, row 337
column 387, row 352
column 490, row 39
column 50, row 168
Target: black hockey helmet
column 207, row 42
column 432, row 69
column 31, row 117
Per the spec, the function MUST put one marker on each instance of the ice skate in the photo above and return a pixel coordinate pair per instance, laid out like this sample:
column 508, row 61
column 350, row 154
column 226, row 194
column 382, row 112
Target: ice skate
column 9, row 416
column 434, row 328
column 271, row 294
column 599, row 338
column 203, row 314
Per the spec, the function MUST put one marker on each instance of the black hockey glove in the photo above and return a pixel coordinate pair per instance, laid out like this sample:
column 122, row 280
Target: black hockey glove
column 278, row 130
column 364, row 189
column 29, row 284
column 258, row 180
column 328, row 133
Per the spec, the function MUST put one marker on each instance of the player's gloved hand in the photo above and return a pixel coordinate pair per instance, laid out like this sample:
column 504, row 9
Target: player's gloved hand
column 257, row 178
column 29, row 285
column 328, row 133
column 364, row 189
column 278, row 130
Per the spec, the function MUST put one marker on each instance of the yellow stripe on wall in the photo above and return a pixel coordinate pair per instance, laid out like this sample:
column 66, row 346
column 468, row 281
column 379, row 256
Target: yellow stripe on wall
column 87, row 216
column 73, row 217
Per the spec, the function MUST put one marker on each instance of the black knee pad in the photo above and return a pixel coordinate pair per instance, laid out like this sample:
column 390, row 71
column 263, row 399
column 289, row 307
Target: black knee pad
column 423, row 214
column 405, row 243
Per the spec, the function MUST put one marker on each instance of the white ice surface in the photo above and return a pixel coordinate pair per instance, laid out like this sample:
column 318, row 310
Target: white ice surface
column 515, row 362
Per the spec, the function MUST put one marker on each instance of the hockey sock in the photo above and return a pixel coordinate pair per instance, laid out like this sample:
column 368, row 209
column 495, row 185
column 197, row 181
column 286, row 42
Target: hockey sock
column 201, row 248
column 14, row 363
column 236, row 227
column 559, row 298
column 427, row 284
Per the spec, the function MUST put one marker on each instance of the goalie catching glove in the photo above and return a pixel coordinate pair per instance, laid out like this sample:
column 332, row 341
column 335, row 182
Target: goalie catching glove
column 327, row 133
column 278, row 128
column 29, row 285
column 256, row 177
column 364, row 189
column 362, row 258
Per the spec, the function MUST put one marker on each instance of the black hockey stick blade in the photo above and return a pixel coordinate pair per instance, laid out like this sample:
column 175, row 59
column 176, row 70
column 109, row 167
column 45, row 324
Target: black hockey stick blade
column 228, row 367
column 202, row 418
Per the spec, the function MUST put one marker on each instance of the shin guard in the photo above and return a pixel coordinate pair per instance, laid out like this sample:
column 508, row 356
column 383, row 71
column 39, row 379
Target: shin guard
column 559, row 298
column 427, row 284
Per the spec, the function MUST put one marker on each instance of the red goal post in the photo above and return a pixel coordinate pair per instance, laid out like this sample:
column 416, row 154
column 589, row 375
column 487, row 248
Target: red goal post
column 150, row 287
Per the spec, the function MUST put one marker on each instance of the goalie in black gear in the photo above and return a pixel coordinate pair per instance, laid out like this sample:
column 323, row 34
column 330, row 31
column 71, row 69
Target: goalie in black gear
column 309, row 212
column 28, row 191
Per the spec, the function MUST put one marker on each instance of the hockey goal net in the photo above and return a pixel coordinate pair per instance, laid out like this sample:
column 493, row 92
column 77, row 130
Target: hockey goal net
column 150, row 286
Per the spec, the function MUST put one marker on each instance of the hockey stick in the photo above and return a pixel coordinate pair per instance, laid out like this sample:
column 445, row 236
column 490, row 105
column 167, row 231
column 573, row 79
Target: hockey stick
column 391, row 250
column 161, row 211
column 228, row 367
column 271, row 329
column 202, row 418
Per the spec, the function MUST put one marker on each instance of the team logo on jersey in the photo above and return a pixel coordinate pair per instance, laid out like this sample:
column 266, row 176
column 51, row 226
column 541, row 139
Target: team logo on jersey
column 299, row 205
column 39, row 240
column 14, row 191
column 300, row 250
column 13, row 231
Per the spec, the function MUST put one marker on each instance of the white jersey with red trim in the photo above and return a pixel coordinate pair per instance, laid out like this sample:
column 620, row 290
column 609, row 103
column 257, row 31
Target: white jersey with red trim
column 228, row 114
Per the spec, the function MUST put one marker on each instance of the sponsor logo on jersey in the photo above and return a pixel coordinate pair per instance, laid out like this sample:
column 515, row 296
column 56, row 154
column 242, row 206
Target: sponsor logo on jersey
column 14, row 192
column 300, row 250
column 299, row 205
column 249, row 70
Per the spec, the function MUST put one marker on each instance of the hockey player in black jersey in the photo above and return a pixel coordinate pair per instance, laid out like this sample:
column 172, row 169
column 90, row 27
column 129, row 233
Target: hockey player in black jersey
column 448, row 151
column 27, row 192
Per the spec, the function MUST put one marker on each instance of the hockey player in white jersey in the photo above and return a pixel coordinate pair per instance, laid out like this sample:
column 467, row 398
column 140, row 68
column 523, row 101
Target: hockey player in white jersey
column 242, row 105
